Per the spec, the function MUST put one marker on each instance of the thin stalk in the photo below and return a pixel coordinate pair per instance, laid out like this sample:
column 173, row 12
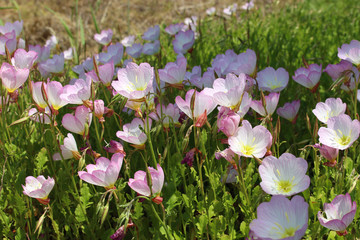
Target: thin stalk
column 161, row 221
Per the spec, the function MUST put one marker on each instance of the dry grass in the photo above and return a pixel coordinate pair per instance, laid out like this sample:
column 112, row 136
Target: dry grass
column 124, row 17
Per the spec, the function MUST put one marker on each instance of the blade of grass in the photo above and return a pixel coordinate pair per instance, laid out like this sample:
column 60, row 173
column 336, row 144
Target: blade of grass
column 94, row 20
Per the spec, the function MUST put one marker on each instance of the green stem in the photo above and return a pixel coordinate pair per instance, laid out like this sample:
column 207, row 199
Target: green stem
column 161, row 221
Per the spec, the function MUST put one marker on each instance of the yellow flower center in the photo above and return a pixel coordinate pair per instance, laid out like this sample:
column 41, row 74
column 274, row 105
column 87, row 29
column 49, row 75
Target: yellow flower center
column 344, row 140
column 247, row 150
column 284, row 186
column 289, row 232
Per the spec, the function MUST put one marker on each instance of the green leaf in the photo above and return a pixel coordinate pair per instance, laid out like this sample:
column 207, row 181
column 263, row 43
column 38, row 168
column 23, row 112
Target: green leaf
column 41, row 160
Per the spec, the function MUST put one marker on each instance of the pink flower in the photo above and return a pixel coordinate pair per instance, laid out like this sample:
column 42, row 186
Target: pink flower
column 114, row 53
column 328, row 153
column 229, row 92
column 225, row 63
column 106, row 73
column 227, row 121
column 339, row 214
column 9, row 27
column 183, row 41
column 54, row 65
column 51, row 42
column 341, row 132
column 39, row 188
column 202, row 106
column 43, row 53
column 308, row 77
column 170, row 114
column 104, row 173
column 272, row 80
column 174, row 73
column 152, row 33
column 115, row 147
column 284, row 176
column 69, row 149
column 135, row 50
column 249, row 5
column 128, row 41
column 350, row 52
column 40, row 117
column 343, row 69
column 228, row 154
column 331, row 108
column 230, row 9
column 140, row 185
column 249, row 142
column 245, row 63
column 8, row 41
column 210, row 11
column 23, row 59
column 78, row 92
column 271, row 102
column 77, row 123
column 151, row 48
column 173, row 29
column 54, row 91
column 13, row 78
column 281, row 218
column 133, row 134
column 104, row 37
column 135, row 81
column 99, row 109
column 37, row 89
column 289, row 111
column 68, row 54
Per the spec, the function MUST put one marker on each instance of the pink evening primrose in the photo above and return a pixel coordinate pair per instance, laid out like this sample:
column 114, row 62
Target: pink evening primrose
column 272, row 80
column 51, row 42
column 249, row 5
column 343, row 69
column 135, row 50
column 245, row 63
column 223, row 64
column 54, row 91
column 328, row 153
column 174, row 73
column 77, row 123
column 106, row 73
column 350, row 52
column 23, row 59
column 104, row 37
column 271, row 102
column 151, row 48
column 284, row 176
column 245, row 105
column 170, row 114
column 54, row 65
column 183, row 41
column 229, row 92
column 37, row 94
column 331, row 108
column 173, row 29
column 104, row 173
column 152, row 34
column 39, row 188
column 289, row 111
column 69, row 149
column 281, row 218
column 227, row 121
column 249, row 142
column 140, row 185
column 8, row 41
column 115, row 147
column 133, row 133
column 308, row 77
column 114, row 54
column 69, row 54
column 12, row 77
column 128, row 41
column 339, row 214
column 341, row 132
column 40, row 117
column 77, row 92
column 8, row 27
column 203, row 105
column 43, row 53
column 134, row 81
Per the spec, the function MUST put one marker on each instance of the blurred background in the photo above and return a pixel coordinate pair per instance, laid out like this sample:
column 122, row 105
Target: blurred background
column 44, row 18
